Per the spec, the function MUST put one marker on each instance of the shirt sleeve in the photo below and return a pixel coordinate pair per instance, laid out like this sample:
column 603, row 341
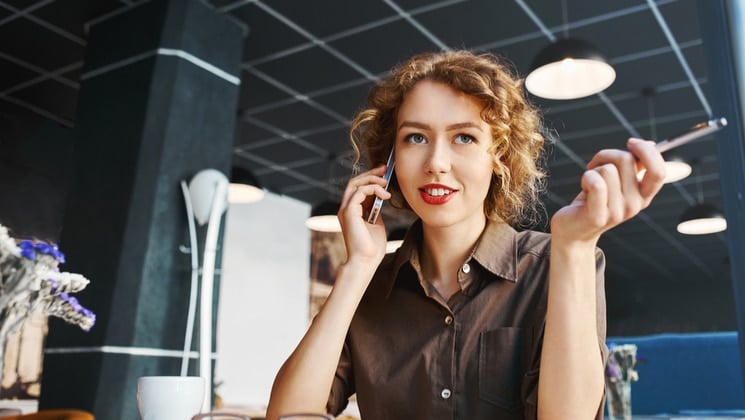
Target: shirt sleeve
column 343, row 386
column 530, row 382
column 601, row 318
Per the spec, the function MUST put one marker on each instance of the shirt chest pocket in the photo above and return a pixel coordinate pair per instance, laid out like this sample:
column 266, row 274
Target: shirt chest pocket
column 500, row 366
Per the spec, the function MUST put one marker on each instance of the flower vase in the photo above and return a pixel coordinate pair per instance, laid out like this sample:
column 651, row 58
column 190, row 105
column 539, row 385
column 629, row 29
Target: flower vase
column 10, row 321
column 619, row 373
column 618, row 398
column 31, row 282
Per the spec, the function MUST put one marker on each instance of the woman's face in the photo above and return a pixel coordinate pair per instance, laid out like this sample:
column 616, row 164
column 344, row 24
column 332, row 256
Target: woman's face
column 443, row 165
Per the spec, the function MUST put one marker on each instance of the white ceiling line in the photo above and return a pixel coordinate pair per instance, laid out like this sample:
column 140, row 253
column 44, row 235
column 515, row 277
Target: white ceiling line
column 280, row 54
column 616, row 97
column 568, row 106
column 349, row 32
column 620, row 242
column 36, row 110
column 22, row 13
column 300, row 134
column 536, row 20
column 44, row 24
column 232, row 6
column 291, row 165
column 297, row 95
column 337, row 180
column 578, row 134
column 47, row 76
column 39, row 70
column 288, row 171
column 413, row 22
column 653, row 52
column 676, row 243
column 312, row 94
column 95, row 21
column 482, row 47
column 331, row 50
column 679, row 54
column 548, row 32
column 622, row 119
column 619, row 116
column 288, row 136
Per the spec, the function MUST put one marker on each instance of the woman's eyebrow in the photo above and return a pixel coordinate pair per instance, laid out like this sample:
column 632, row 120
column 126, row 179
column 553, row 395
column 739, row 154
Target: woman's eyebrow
column 459, row 126
column 413, row 124
column 456, row 126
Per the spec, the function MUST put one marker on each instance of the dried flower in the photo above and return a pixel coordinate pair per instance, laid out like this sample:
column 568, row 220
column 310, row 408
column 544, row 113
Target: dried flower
column 30, row 278
column 621, row 364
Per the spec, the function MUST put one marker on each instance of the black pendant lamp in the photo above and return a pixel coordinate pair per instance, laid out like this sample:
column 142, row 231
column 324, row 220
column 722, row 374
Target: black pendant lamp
column 569, row 69
column 323, row 215
column 244, row 187
column 701, row 218
column 676, row 168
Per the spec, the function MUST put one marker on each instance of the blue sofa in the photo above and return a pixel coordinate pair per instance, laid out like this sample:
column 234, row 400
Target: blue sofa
column 690, row 374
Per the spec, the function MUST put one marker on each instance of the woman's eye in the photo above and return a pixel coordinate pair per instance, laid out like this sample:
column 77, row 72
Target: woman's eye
column 415, row 138
column 464, row 139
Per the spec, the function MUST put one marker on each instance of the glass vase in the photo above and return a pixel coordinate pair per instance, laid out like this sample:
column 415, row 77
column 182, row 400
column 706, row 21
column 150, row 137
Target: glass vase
column 618, row 399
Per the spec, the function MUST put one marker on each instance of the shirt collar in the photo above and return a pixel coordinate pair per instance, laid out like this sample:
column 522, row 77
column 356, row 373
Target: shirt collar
column 496, row 251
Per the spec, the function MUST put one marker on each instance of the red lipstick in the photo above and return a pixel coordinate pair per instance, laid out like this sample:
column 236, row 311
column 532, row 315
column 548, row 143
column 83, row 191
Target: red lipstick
column 427, row 193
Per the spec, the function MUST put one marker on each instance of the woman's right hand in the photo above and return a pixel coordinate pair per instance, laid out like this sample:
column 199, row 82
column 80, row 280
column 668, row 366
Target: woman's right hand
column 365, row 242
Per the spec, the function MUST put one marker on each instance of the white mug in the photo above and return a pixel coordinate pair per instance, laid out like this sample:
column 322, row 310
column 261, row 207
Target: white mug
column 169, row 397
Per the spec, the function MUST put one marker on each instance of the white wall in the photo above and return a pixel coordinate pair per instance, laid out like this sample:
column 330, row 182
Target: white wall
column 264, row 296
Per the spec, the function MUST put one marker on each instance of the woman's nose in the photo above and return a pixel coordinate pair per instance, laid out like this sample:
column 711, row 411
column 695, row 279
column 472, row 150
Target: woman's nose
column 438, row 159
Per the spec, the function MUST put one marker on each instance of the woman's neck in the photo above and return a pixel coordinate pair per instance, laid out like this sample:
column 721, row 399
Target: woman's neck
column 444, row 250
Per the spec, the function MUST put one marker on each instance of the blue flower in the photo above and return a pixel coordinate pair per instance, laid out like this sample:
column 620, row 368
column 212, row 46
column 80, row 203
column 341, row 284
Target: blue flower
column 52, row 250
column 27, row 250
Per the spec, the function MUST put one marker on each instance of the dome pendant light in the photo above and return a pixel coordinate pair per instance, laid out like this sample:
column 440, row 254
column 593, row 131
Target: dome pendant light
column 701, row 218
column 323, row 215
column 676, row 168
column 569, row 69
column 244, row 187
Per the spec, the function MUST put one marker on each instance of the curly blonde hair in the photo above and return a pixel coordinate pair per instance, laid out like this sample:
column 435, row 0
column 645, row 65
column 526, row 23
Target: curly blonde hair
column 518, row 179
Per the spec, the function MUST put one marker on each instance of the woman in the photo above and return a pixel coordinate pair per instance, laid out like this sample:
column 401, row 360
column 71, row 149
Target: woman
column 469, row 319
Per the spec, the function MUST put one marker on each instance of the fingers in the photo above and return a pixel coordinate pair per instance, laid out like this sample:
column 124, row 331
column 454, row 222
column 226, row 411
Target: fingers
column 637, row 192
column 359, row 188
column 651, row 160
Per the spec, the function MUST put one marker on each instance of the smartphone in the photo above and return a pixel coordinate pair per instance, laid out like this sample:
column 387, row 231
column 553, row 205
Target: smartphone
column 378, row 203
column 697, row 131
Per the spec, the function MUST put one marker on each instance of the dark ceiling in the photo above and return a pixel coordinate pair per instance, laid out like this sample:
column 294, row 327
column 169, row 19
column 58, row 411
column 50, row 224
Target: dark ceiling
column 308, row 65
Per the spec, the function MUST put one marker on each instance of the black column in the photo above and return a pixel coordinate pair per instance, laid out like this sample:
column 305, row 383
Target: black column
column 719, row 29
column 157, row 104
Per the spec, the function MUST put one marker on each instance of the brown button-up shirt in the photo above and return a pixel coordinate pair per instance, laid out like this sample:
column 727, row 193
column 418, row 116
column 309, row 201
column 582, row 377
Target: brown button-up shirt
column 410, row 354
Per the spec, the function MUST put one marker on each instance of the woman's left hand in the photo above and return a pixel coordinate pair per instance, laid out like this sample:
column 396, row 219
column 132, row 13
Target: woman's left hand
column 611, row 192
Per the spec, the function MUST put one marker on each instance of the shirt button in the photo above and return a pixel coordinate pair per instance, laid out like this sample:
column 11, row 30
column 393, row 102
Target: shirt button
column 466, row 268
column 445, row 394
column 448, row 320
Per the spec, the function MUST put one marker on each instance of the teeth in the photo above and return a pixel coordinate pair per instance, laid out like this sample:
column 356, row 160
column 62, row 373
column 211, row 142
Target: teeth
column 437, row 192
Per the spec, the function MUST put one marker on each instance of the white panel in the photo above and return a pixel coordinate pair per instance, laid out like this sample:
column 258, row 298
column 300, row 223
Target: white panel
column 264, row 296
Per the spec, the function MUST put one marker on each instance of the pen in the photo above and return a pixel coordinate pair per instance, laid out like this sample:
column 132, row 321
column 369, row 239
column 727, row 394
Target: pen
column 697, row 131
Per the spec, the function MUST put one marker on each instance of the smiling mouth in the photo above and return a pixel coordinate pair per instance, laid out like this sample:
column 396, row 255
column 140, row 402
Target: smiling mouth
column 437, row 192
